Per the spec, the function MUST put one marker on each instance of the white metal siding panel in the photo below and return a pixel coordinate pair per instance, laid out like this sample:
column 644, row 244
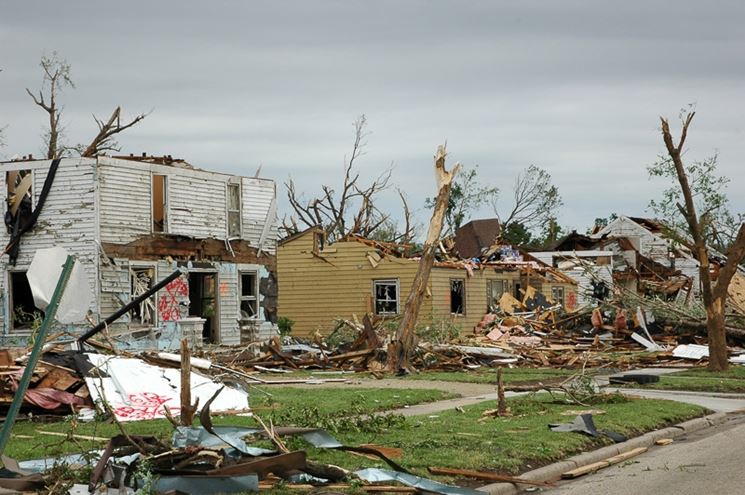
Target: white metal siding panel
column 125, row 203
column 67, row 220
column 115, row 288
column 227, row 280
column 258, row 195
column 197, row 206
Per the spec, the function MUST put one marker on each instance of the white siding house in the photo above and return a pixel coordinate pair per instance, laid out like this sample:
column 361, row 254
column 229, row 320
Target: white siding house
column 132, row 221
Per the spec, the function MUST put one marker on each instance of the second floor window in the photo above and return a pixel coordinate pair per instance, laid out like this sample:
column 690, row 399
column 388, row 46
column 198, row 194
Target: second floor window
column 234, row 210
column 160, row 203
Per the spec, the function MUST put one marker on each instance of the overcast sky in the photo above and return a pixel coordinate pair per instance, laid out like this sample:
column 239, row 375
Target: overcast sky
column 574, row 87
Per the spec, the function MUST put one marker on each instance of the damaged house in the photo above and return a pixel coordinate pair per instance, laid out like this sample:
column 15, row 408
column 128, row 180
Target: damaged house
column 355, row 275
column 638, row 255
column 132, row 221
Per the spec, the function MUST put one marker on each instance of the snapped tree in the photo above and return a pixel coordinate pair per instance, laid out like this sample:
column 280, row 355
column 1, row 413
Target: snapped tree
column 398, row 359
column 466, row 196
column 714, row 283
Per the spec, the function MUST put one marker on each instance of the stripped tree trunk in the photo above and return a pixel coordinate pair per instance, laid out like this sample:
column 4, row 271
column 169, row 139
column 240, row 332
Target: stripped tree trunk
column 404, row 342
column 714, row 294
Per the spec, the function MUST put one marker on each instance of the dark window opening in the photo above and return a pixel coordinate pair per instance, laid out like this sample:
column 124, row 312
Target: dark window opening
column 557, row 294
column 25, row 314
column 494, row 291
column 234, row 210
column 249, row 299
column 386, row 297
column 319, row 242
column 457, row 296
column 203, row 302
column 160, row 203
column 141, row 280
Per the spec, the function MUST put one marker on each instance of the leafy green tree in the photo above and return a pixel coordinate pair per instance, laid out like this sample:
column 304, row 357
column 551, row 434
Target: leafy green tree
column 466, row 196
column 516, row 234
column 708, row 191
column 700, row 200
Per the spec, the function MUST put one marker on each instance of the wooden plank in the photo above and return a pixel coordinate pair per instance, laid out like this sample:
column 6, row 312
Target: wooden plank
column 483, row 475
column 580, row 471
column 595, row 466
column 663, row 441
column 626, row 455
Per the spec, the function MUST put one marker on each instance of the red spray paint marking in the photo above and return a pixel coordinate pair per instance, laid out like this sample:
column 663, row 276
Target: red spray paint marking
column 168, row 306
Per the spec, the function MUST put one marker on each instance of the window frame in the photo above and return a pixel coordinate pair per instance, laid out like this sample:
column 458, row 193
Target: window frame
column 462, row 296
column 254, row 298
column 140, row 266
column 228, row 210
column 388, row 282
column 166, row 216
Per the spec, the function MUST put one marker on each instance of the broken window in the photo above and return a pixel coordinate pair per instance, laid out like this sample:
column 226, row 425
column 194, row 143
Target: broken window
column 457, row 296
column 249, row 298
column 160, row 203
column 494, row 291
column 557, row 294
column 19, row 198
column 386, row 297
column 141, row 280
column 319, row 242
column 25, row 314
column 234, row 210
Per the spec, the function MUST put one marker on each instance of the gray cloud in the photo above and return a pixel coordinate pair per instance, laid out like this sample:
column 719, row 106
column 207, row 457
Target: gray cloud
column 574, row 87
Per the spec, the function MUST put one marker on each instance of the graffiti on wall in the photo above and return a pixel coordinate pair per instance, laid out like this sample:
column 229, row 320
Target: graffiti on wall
column 168, row 303
column 144, row 405
column 571, row 301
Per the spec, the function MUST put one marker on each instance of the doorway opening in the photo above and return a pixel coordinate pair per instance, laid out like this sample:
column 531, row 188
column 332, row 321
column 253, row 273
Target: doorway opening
column 203, row 303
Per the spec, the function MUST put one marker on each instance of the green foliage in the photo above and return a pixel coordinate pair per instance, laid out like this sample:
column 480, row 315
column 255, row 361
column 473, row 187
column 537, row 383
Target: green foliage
column 517, row 234
column 708, row 189
column 285, row 325
column 466, row 196
column 438, row 330
column 356, row 417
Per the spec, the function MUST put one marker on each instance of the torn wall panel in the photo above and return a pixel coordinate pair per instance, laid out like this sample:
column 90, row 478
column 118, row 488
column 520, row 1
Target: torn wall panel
column 197, row 206
column 257, row 198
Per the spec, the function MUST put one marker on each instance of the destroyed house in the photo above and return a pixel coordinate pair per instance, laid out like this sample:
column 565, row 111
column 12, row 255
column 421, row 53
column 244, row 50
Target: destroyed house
column 133, row 221
column 351, row 277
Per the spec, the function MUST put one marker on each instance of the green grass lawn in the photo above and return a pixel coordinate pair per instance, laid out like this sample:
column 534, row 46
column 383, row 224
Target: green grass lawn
column 702, row 380
column 446, row 439
column 284, row 402
column 511, row 376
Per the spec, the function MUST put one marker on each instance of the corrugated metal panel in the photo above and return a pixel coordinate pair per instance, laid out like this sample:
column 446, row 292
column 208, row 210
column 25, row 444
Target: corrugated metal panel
column 227, row 280
column 197, row 206
column 125, row 203
column 257, row 201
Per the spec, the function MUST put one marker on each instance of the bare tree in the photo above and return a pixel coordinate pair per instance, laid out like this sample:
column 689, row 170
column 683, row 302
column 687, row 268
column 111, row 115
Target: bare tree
column 536, row 200
column 56, row 78
column 104, row 140
column 714, row 292
column 353, row 210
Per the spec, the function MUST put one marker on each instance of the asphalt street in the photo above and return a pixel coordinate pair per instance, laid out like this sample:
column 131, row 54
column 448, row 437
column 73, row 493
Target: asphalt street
column 706, row 462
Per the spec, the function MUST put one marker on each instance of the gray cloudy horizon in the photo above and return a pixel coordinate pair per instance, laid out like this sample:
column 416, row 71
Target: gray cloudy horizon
column 573, row 87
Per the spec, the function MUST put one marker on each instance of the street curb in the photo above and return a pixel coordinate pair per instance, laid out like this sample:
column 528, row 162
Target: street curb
column 553, row 472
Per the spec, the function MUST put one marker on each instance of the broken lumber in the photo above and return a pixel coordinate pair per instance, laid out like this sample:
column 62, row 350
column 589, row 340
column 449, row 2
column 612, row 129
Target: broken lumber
column 486, row 476
column 595, row 466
